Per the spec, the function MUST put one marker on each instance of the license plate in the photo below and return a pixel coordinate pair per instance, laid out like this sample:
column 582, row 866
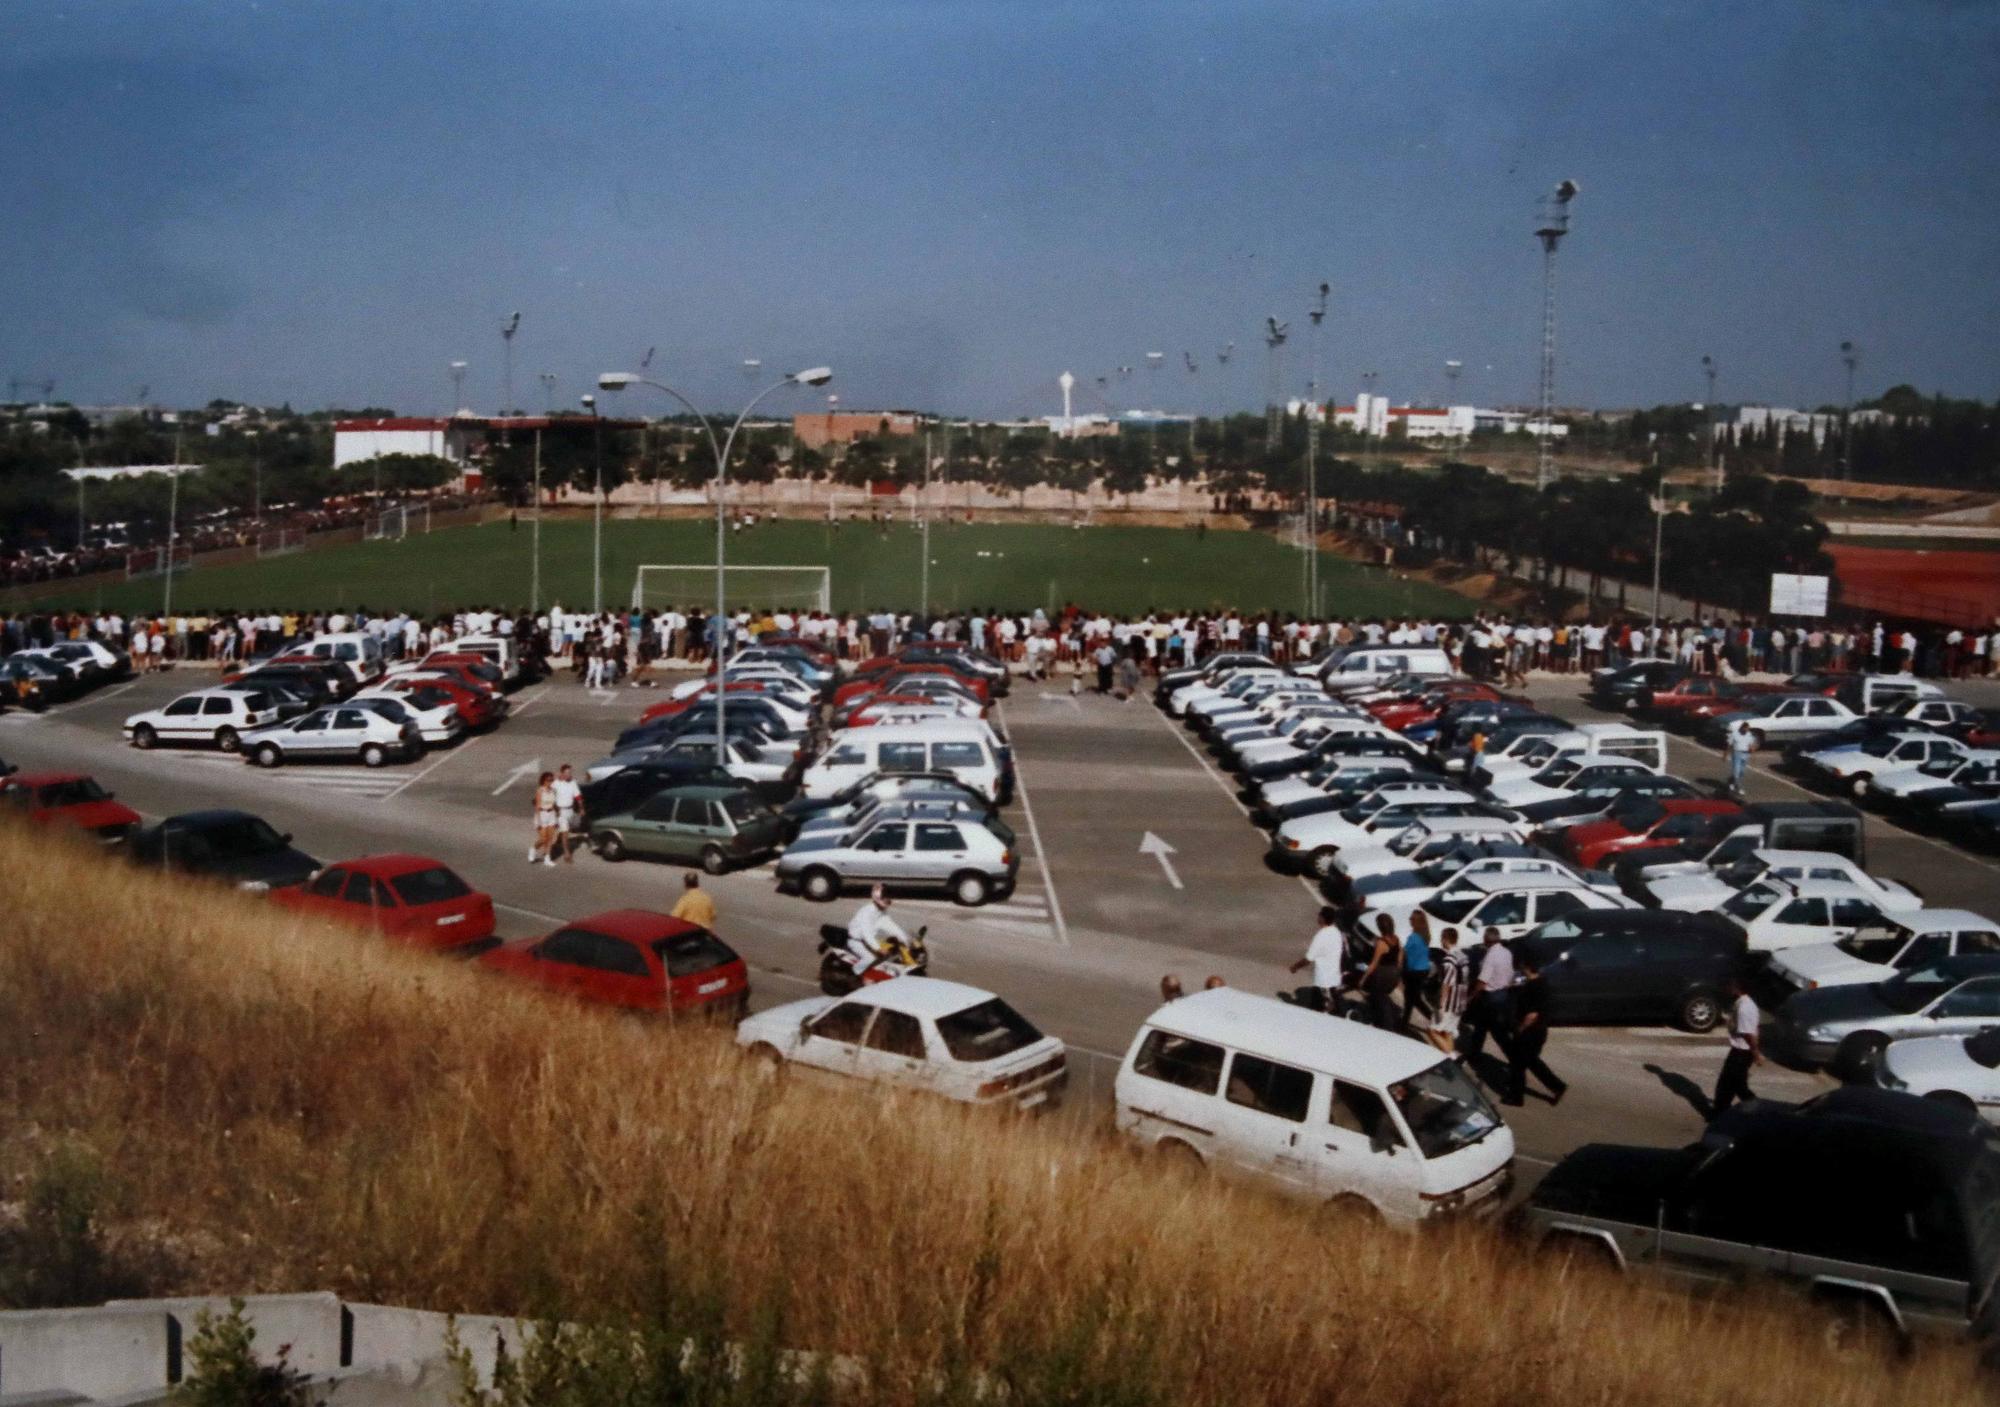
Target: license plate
column 705, row 988
column 455, row 918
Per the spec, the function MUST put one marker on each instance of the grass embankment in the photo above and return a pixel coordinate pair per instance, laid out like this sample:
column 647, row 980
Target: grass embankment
column 1004, row 566
column 290, row 1107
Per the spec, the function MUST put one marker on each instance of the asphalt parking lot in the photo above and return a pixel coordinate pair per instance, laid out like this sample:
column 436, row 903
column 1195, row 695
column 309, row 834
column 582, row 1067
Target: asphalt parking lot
column 1138, row 861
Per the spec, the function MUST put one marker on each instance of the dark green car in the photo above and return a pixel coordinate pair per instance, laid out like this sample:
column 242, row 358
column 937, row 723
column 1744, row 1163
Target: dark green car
column 719, row 827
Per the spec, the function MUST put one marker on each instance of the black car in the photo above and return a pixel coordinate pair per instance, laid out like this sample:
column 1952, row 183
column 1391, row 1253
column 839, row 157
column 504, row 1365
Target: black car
column 322, row 684
column 220, row 844
column 1336, row 745
column 1636, row 967
column 739, row 715
column 1588, row 803
column 28, row 681
column 1627, row 684
column 1878, row 1204
column 626, row 788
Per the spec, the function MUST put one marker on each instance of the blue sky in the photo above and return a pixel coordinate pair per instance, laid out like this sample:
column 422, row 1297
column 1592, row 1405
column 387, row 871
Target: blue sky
column 953, row 202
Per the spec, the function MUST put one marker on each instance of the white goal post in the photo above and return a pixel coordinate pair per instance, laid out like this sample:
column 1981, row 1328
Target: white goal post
column 660, row 586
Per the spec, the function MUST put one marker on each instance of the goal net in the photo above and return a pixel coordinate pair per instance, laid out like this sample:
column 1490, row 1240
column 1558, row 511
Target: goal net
column 801, row 588
column 278, row 543
column 152, row 561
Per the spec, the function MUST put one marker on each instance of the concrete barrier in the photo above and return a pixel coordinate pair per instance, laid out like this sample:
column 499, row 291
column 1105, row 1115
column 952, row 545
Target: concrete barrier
column 310, row 1326
column 384, row 1334
column 96, row 1353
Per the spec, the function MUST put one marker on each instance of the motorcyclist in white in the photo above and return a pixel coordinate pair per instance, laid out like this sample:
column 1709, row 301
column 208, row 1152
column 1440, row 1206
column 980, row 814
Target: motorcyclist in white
column 868, row 928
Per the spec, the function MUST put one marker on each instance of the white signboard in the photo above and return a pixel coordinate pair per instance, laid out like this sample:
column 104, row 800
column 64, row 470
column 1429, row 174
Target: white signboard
column 1797, row 595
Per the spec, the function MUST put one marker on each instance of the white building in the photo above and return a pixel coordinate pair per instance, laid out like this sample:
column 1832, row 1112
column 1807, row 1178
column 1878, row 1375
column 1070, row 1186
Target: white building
column 358, row 440
column 1735, row 421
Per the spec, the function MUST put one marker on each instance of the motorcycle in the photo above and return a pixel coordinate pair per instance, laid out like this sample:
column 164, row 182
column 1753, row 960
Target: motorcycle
column 840, row 972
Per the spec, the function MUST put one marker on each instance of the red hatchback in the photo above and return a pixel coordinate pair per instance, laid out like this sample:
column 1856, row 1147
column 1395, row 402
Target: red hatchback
column 68, row 799
column 1638, row 823
column 635, row 959
column 476, row 708
column 886, row 681
column 667, row 708
column 411, row 898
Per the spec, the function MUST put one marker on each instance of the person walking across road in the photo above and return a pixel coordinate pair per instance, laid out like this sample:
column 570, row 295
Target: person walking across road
column 1383, row 974
column 1326, row 955
column 1742, row 742
column 1531, row 1034
column 694, row 906
column 545, row 820
column 569, row 814
column 1453, row 985
column 1489, row 1009
column 1417, row 969
column 1745, row 1050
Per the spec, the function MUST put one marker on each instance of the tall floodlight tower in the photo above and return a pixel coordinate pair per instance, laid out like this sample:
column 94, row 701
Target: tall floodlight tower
column 1193, row 369
column 1154, row 361
column 548, row 380
column 1068, row 384
column 1275, row 333
column 507, row 331
column 1851, row 355
column 1708, row 411
column 1554, row 225
column 1313, row 412
column 457, row 387
column 1451, row 371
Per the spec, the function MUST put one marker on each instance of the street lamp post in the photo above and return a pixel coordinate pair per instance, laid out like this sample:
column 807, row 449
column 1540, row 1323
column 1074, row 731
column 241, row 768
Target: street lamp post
column 812, row 376
column 597, row 506
column 1851, row 355
column 1708, row 409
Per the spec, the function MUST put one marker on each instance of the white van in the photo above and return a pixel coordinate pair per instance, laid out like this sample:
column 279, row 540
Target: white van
column 496, row 649
column 1365, row 662
column 966, row 748
column 360, row 652
column 1330, row 1109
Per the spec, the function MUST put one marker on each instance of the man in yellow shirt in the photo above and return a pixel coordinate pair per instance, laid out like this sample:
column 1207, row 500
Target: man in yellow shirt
column 694, row 905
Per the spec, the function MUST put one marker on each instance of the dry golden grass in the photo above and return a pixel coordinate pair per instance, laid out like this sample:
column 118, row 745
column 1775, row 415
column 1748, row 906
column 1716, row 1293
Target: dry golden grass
column 312, row 1109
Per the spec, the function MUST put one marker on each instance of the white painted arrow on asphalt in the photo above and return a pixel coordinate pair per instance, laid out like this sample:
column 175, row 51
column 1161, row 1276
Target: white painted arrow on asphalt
column 1159, row 850
column 530, row 768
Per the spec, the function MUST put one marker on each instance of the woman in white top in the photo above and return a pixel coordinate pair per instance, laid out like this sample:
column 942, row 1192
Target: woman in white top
column 545, row 819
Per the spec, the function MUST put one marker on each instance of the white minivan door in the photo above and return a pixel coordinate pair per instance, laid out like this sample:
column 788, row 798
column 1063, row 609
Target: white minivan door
column 1361, row 1153
column 1262, row 1125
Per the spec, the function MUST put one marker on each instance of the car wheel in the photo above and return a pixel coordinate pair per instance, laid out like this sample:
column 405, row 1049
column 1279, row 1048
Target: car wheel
column 1179, row 1156
column 1952, row 1099
column 1355, row 1210
column 1856, row 1057
column 373, row 755
column 227, row 740
column 611, row 846
column 1699, row 1012
column 713, row 861
column 820, row 886
column 144, row 738
column 764, row 1053
column 269, row 756
column 1858, row 788
column 970, row 890
column 1322, row 862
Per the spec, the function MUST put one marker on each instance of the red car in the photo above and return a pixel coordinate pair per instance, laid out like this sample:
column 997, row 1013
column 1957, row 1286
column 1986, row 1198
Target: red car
column 68, row 799
column 460, row 674
column 1679, row 704
column 667, row 708
column 412, row 898
column 635, row 959
column 1408, row 712
column 475, row 707
column 886, row 681
column 477, row 666
column 1641, row 822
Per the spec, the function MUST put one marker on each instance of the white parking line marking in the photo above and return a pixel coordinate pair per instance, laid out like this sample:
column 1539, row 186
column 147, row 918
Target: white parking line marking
column 463, row 747
column 1035, row 834
column 1223, row 782
column 536, row 914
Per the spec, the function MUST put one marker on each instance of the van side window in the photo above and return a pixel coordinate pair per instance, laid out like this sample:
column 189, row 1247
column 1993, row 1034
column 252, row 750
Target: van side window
column 948, row 755
column 1360, row 1110
column 1177, row 1060
column 1265, row 1085
column 900, row 757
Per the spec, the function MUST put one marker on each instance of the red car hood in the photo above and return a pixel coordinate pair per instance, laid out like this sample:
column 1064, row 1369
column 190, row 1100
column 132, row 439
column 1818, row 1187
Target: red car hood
column 91, row 815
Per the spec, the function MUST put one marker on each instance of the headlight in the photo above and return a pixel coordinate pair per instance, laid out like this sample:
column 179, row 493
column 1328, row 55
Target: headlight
column 1819, row 1033
column 1290, row 843
column 253, row 886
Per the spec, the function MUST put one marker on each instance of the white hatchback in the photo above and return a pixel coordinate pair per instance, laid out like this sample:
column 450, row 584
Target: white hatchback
column 211, row 717
column 341, row 733
column 918, row 1033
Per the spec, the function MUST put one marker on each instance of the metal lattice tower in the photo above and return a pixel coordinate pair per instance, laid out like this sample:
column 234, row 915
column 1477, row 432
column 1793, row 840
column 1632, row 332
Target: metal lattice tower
column 1313, row 412
column 1554, row 225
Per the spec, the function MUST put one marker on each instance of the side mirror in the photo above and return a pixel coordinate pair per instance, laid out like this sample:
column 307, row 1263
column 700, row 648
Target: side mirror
column 286, row 837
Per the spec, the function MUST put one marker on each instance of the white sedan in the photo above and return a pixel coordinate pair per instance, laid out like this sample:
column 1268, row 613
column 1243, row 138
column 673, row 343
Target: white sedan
column 343, row 733
column 1690, row 886
column 1958, row 1070
column 1895, row 943
column 431, row 709
column 917, row 1033
column 1784, row 913
column 1572, row 772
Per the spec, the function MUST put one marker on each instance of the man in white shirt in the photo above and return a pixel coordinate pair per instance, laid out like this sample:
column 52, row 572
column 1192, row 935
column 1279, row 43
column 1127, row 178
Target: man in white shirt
column 1491, row 1005
column 1326, row 955
column 1744, row 1051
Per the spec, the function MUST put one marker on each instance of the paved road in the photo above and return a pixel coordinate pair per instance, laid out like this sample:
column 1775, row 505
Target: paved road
column 1080, row 947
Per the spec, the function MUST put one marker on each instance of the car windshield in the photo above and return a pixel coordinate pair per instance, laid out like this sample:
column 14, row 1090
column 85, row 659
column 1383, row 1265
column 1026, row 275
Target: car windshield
column 243, row 835
column 1882, row 746
column 432, row 886
column 1638, row 813
column 1875, row 943
column 690, row 954
column 986, row 1031
column 1454, row 906
column 1914, row 990
column 1444, row 1109
column 1751, row 902
column 741, row 807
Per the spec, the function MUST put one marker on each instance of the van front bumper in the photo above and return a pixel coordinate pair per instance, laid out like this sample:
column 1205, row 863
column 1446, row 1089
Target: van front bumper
column 1484, row 1198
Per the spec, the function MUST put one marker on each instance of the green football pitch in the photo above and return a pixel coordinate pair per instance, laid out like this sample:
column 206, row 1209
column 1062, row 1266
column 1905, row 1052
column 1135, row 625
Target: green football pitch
column 1124, row 570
